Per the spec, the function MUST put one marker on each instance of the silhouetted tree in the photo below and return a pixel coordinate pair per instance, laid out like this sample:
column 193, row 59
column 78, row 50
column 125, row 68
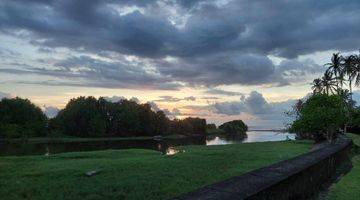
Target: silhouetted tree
column 89, row 117
column 329, row 84
column 21, row 118
column 235, row 127
column 82, row 117
column 317, row 86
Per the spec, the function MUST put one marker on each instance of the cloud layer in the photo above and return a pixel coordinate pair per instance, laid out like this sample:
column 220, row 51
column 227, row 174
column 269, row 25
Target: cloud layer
column 197, row 43
column 256, row 105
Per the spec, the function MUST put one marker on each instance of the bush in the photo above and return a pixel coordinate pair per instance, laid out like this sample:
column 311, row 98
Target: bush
column 321, row 116
column 354, row 125
column 234, row 128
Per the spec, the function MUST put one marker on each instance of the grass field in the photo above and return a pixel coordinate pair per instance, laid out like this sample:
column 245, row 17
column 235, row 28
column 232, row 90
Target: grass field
column 348, row 188
column 135, row 174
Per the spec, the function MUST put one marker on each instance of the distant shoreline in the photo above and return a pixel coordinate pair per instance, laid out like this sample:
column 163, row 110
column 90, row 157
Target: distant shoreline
column 87, row 139
column 272, row 130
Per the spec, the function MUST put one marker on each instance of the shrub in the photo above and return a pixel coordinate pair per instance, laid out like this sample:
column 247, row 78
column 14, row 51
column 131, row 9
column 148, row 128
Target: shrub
column 235, row 128
column 321, row 116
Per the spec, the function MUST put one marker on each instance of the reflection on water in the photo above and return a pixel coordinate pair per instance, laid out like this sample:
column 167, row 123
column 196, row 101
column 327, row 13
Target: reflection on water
column 263, row 136
column 49, row 148
column 163, row 145
column 252, row 136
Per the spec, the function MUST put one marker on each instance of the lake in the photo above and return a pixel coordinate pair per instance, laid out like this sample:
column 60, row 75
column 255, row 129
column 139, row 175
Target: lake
column 252, row 136
column 162, row 145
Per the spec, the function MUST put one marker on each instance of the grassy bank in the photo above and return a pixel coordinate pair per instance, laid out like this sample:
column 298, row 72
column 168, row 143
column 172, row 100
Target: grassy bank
column 348, row 188
column 135, row 174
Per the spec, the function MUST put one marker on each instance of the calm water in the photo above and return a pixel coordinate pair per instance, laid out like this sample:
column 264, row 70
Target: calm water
column 164, row 146
column 252, row 136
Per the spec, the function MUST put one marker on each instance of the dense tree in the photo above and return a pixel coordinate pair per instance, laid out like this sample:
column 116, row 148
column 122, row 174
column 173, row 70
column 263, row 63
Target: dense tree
column 198, row 125
column 82, row 117
column 89, row 117
column 210, row 126
column 331, row 105
column 235, row 127
column 354, row 123
column 188, row 126
column 321, row 116
column 21, row 118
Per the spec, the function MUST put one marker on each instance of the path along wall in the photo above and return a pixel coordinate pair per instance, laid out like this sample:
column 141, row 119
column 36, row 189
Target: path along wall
column 297, row 178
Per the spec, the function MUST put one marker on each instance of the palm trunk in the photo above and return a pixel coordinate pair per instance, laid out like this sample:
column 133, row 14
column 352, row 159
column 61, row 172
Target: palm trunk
column 350, row 88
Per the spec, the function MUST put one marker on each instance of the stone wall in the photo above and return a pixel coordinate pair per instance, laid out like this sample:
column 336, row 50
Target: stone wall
column 297, row 178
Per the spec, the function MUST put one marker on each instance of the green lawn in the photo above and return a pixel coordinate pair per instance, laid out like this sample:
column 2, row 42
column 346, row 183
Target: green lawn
column 135, row 174
column 348, row 188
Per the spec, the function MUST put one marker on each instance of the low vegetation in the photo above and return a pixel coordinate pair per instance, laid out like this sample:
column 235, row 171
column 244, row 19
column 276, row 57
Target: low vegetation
column 348, row 188
column 135, row 174
column 234, row 128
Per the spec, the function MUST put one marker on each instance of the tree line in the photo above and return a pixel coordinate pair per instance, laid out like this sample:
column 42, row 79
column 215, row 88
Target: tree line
column 91, row 117
column 331, row 108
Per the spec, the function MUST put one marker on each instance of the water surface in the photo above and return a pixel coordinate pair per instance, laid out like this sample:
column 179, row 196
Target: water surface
column 162, row 145
column 252, row 136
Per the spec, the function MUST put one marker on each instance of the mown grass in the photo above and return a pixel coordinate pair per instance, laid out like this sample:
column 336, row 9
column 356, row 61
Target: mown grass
column 348, row 188
column 134, row 173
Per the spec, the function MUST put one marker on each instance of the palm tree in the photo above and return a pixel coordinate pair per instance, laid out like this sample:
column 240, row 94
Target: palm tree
column 317, row 86
column 335, row 65
column 329, row 84
column 348, row 70
column 355, row 75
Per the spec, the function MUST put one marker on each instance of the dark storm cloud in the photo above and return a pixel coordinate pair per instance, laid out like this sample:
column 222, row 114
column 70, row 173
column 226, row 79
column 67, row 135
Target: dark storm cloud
column 222, row 69
column 219, row 43
column 93, row 25
column 286, row 28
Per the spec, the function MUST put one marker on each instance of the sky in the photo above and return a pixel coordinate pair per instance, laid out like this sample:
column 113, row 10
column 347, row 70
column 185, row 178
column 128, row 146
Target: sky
column 220, row 60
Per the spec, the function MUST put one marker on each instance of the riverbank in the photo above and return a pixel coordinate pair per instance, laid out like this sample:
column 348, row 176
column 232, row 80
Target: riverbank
column 135, row 174
column 348, row 188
